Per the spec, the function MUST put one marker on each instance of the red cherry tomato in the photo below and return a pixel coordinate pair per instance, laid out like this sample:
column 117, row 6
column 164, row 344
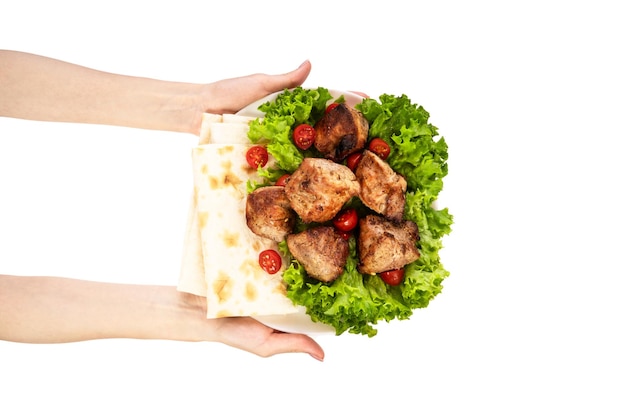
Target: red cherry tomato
column 392, row 277
column 353, row 160
column 270, row 261
column 379, row 147
column 346, row 220
column 257, row 156
column 345, row 234
column 282, row 180
column 304, row 136
column 331, row 106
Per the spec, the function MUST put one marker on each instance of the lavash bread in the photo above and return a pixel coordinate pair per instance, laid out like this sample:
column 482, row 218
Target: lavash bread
column 191, row 278
column 220, row 257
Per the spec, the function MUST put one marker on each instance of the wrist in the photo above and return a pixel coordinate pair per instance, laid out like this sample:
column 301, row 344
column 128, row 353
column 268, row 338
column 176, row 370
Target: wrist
column 191, row 323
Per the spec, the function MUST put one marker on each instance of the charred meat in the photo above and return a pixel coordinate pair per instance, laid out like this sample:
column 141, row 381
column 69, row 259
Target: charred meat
column 382, row 189
column 321, row 251
column 340, row 132
column 269, row 214
column 319, row 188
column 386, row 245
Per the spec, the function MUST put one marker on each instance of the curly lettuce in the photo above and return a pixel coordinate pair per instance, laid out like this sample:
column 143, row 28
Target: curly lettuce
column 291, row 108
column 355, row 302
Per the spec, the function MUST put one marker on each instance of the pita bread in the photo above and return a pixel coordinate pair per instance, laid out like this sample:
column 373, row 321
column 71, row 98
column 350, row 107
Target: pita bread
column 220, row 257
column 205, row 129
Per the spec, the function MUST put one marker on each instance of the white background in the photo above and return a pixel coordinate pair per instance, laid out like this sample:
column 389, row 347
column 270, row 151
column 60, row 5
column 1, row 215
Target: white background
column 530, row 98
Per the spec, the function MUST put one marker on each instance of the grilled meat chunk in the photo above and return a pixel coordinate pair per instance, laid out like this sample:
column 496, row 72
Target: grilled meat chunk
column 319, row 188
column 340, row 132
column 321, row 251
column 386, row 245
column 269, row 214
column 382, row 189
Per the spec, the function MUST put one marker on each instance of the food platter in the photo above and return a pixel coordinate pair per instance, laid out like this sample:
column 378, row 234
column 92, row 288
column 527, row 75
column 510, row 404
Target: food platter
column 377, row 275
column 298, row 322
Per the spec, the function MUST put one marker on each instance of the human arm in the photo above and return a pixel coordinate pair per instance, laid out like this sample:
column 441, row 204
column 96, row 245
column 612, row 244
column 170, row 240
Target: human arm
column 54, row 310
column 41, row 88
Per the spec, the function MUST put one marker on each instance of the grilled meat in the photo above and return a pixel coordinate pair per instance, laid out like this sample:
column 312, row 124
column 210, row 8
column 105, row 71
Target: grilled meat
column 269, row 214
column 386, row 245
column 382, row 189
column 340, row 132
column 319, row 188
column 321, row 251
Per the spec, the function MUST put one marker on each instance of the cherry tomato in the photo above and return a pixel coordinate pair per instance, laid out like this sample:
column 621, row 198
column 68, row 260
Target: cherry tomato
column 270, row 261
column 304, row 136
column 346, row 220
column 282, row 180
column 353, row 160
column 392, row 277
column 257, row 156
column 379, row 147
column 331, row 106
column 345, row 234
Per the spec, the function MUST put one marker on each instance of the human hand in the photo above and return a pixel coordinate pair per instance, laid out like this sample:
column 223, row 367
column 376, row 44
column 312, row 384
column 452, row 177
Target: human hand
column 233, row 94
column 243, row 333
column 250, row 335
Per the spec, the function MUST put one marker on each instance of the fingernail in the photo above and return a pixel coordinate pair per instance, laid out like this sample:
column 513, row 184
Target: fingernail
column 316, row 357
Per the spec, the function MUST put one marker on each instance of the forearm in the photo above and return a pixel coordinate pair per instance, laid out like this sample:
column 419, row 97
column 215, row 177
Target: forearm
column 53, row 310
column 39, row 88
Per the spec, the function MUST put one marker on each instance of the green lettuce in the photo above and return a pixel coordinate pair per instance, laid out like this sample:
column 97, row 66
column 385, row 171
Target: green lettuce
column 291, row 108
column 355, row 302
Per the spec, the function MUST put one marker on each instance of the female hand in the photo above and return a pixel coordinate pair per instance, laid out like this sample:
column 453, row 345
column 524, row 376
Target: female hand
column 41, row 88
column 233, row 94
column 46, row 309
column 248, row 334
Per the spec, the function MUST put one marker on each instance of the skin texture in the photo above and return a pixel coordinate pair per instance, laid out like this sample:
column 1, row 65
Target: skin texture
column 57, row 309
column 42, row 88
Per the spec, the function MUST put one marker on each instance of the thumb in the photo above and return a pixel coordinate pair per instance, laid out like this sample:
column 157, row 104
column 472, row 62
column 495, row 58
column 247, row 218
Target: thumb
column 291, row 79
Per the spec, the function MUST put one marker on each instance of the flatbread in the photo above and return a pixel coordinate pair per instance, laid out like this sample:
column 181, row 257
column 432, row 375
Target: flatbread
column 205, row 129
column 191, row 278
column 220, row 257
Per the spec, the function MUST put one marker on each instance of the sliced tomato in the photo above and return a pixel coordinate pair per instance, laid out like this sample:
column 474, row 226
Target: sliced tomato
column 270, row 261
column 346, row 220
column 257, row 156
column 304, row 136
column 282, row 180
column 393, row 277
column 379, row 147
column 353, row 160
column 331, row 106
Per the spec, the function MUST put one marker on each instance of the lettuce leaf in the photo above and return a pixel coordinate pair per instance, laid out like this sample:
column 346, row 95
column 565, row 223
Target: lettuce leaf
column 291, row 108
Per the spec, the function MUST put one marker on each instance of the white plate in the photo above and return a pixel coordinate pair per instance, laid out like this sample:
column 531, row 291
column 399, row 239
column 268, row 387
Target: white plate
column 298, row 322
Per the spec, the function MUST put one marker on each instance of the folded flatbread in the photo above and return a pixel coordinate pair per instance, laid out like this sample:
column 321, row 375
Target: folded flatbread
column 220, row 257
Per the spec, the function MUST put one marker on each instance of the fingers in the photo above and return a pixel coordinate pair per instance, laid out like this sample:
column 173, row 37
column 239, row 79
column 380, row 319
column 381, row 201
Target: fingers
column 291, row 79
column 300, row 74
column 248, row 334
column 279, row 343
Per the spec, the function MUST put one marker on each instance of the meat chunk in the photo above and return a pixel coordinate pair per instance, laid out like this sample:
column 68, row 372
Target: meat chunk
column 319, row 188
column 340, row 132
column 321, row 251
column 386, row 245
column 382, row 189
column 269, row 214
